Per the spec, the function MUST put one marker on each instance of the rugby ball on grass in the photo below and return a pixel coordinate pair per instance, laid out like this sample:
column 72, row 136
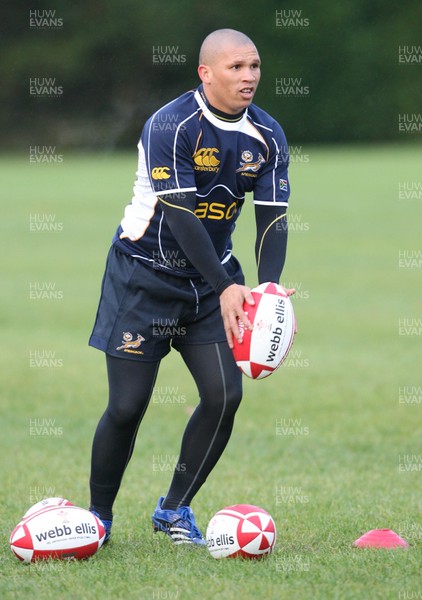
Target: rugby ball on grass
column 46, row 503
column 58, row 532
column 242, row 530
column 265, row 348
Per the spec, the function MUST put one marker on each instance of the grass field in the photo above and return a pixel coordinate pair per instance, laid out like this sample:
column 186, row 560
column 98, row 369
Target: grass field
column 330, row 445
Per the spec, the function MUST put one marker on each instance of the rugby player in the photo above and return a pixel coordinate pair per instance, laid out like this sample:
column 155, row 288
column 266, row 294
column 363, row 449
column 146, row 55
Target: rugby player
column 171, row 280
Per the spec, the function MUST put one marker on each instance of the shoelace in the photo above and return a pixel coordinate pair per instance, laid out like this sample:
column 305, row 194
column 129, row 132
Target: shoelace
column 186, row 514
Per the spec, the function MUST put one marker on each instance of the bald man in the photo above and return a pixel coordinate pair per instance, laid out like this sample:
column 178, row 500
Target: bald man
column 171, row 280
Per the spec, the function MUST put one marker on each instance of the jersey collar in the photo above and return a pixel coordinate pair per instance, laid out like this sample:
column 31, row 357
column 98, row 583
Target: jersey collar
column 217, row 117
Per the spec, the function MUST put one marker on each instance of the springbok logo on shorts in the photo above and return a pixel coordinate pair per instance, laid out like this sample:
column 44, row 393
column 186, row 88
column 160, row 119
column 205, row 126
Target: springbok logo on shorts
column 129, row 344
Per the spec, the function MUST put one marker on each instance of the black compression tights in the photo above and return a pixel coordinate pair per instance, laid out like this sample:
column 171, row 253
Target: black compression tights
column 131, row 384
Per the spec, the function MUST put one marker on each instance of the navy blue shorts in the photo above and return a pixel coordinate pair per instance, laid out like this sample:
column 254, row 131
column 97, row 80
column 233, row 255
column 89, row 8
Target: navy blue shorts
column 144, row 311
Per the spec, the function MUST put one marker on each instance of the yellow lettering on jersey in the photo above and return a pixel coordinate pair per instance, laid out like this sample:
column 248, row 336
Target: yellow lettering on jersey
column 215, row 210
column 231, row 210
column 201, row 210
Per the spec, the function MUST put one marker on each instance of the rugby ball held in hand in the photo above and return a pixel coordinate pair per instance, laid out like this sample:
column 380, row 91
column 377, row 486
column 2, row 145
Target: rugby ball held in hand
column 59, row 532
column 265, row 348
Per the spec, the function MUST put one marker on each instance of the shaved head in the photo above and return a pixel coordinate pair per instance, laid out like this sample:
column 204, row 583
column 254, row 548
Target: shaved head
column 229, row 68
column 217, row 41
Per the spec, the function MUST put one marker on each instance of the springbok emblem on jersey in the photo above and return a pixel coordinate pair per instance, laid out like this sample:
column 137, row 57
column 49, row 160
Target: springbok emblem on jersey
column 248, row 165
column 129, row 343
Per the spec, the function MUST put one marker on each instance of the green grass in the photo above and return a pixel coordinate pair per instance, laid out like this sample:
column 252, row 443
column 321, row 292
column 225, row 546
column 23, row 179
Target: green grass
column 327, row 485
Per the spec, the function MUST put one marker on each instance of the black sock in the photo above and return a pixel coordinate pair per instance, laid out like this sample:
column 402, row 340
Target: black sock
column 103, row 511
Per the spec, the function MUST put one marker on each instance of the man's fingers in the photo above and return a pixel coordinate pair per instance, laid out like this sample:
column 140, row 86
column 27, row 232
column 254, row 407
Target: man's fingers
column 234, row 323
column 243, row 316
column 232, row 301
column 229, row 336
column 249, row 298
column 232, row 330
column 245, row 320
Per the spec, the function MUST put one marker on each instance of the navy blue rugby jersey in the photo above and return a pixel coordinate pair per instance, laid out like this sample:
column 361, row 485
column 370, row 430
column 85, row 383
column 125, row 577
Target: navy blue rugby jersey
column 184, row 147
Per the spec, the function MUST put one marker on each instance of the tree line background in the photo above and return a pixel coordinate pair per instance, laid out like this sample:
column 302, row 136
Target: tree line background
column 104, row 79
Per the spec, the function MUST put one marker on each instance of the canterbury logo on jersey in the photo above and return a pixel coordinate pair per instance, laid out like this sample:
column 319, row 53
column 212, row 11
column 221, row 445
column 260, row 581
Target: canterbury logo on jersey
column 215, row 210
column 160, row 173
column 205, row 160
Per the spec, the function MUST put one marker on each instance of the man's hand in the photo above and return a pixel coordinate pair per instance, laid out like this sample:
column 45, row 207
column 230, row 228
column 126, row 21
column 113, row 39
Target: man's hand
column 231, row 302
column 289, row 291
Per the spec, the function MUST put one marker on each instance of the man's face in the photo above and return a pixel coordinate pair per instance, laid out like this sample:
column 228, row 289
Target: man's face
column 230, row 81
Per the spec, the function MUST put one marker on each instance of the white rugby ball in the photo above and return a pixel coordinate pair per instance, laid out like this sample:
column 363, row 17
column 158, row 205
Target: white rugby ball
column 59, row 532
column 46, row 503
column 265, row 348
column 241, row 530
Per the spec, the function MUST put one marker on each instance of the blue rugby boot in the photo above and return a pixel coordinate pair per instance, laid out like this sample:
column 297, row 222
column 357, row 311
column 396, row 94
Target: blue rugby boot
column 107, row 525
column 178, row 524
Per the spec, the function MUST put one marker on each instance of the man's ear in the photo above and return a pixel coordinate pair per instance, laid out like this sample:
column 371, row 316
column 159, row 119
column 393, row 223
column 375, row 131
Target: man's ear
column 204, row 73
